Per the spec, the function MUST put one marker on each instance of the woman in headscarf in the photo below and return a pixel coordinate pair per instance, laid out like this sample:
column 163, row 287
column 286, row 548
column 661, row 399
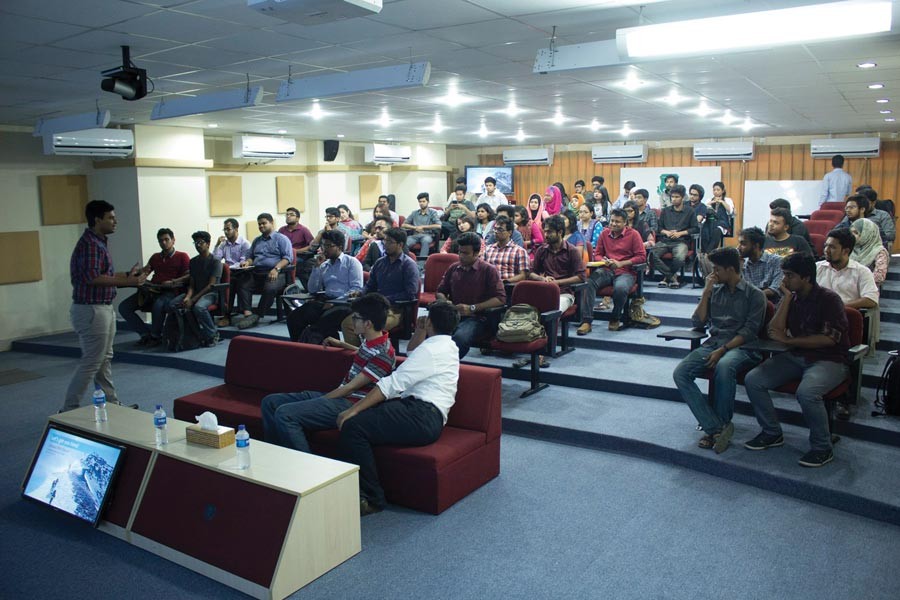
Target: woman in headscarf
column 575, row 202
column 869, row 251
column 536, row 209
column 553, row 200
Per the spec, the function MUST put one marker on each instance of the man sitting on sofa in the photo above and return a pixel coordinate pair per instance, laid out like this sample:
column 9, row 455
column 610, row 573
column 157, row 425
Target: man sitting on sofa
column 409, row 407
column 287, row 417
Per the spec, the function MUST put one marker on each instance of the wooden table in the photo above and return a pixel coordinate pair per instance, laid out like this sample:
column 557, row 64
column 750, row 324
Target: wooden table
column 266, row 531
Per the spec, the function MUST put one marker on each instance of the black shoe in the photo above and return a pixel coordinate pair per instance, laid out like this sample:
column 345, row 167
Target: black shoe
column 816, row 458
column 763, row 441
column 145, row 339
column 366, row 508
column 842, row 411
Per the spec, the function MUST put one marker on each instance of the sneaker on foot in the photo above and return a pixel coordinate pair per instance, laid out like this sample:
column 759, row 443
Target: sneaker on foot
column 614, row 325
column 816, row 458
column 723, row 438
column 764, row 440
column 584, row 329
column 367, row 508
column 248, row 322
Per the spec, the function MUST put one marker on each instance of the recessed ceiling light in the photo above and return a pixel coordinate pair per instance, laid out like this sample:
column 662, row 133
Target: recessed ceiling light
column 595, row 125
column 867, row 65
column 520, row 136
column 890, row 120
column 882, row 101
column 876, row 86
column 674, row 98
column 728, row 118
column 282, row 131
column 453, row 98
column 885, row 111
column 316, row 111
column 385, row 120
column 483, row 130
column 748, row 124
column 438, row 125
column 558, row 118
column 703, row 110
column 512, row 110
column 212, row 125
column 340, row 135
column 389, row 139
column 430, row 141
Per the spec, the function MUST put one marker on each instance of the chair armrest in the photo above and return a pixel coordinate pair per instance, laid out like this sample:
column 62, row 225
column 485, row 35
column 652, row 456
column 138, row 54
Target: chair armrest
column 858, row 352
column 682, row 334
column 494, row 310
column 550, row 316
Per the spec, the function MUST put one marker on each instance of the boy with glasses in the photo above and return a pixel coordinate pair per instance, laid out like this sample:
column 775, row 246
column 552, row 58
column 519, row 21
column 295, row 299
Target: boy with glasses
column 287, row 417
column 231, row 247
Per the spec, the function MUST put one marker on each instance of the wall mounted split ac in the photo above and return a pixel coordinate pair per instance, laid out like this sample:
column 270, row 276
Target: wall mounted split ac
column 386, row 154
column 723, row 151
column 528, row 156
column 259, row 146
column 846, row 147
column 109, row 143
column 634, row 153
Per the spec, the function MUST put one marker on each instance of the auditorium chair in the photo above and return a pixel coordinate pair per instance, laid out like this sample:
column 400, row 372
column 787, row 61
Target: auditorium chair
column 435, row 267
column 832, row 206
column 818, row 244
column 831, row 216
column 820, row 227
column 636, row 291
column 222, row 306
column 544, row 296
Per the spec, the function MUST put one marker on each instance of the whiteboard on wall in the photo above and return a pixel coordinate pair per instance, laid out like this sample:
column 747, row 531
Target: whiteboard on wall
column 803, row 196
column 648, row 179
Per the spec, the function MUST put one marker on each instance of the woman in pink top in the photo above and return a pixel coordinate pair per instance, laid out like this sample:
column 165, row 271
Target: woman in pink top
column 552, row 200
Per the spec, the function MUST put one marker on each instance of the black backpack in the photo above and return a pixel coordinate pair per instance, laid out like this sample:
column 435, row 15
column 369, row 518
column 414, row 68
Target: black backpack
column 887, row 396
column 181, row 331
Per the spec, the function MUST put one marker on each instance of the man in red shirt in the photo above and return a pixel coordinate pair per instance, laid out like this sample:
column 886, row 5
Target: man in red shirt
column 171, row 270
column 621, row 247
column 473, row 286
column 300, row 235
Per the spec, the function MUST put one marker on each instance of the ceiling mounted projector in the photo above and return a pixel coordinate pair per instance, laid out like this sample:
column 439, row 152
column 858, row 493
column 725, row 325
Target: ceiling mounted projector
column 127, row 81
column 315, row 12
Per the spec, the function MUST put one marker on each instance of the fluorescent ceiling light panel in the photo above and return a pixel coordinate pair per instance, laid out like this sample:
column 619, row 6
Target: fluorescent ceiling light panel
column 169, row 108
column 354, row 82
column 753, row 30
column 91, row 120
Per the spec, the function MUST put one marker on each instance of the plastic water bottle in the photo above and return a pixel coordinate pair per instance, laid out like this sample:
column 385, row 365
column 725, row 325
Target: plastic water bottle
column 242, row 441
column 99, row 396
column 159, row 422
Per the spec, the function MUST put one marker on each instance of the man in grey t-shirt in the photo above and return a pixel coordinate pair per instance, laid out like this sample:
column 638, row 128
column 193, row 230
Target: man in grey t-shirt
column 423, row 226
column 205, row 272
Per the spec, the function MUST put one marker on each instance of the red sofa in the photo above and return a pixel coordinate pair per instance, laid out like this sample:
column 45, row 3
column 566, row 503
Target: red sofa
column 429, row 478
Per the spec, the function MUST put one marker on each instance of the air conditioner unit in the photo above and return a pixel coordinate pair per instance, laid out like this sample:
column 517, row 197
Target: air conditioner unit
column 113, row 143
column 635, row 153
column 723, row 151
column 315, row 12
column 846, row 147
column 261, row 146
column 385, row 154
column 528, row 156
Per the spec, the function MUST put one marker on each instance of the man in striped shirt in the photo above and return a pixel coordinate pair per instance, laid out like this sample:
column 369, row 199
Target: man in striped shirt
column 94, row 283
column 510, row 259
column 287, row 417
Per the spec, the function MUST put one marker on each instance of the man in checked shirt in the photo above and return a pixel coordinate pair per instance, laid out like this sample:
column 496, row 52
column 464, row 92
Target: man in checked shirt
column 94, row 283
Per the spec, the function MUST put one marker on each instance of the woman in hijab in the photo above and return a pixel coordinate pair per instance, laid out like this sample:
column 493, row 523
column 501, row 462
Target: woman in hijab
column 553, row 200
column 869, row 251
column 536, row 210
column 575, row 202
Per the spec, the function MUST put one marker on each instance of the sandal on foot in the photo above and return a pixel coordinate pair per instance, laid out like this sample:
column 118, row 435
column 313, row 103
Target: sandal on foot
column 706, row 442
column 522, row 362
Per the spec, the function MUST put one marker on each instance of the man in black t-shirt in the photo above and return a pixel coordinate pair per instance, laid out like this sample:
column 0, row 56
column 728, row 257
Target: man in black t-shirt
column 779, row 239
column 205, row 272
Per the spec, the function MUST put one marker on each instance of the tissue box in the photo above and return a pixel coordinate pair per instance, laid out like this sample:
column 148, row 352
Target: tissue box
column 220, row 438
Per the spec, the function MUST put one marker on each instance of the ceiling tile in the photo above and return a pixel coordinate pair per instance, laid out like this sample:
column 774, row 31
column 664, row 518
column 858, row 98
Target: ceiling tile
column 409, row 14
column 35, row 31
column 87, row 13
column 187, row 28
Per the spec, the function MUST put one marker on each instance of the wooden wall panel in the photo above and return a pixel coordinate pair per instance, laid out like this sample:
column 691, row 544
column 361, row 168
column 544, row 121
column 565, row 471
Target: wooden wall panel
column 25, row 248
column 788, row 162
column 369, row 190
column 63, row 198
column 290, row 190
column 225, row 196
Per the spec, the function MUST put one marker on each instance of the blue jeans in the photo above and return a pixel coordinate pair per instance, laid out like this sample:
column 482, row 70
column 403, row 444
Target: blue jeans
column 714, row 415
column 679, row 250
column 470, row 330
column 404, row 422
column 287, row 417
column 600, row 279
column 200, row 308
column 423, row 239
column 129, row 307
column 816, row 379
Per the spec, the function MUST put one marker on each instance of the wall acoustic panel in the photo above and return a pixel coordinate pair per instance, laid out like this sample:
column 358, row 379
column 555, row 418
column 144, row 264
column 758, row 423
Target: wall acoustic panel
column 63, row 198
column 369, row 190
column 207, row 515
column 291, row 192
column 25, row 246
column 225, row 196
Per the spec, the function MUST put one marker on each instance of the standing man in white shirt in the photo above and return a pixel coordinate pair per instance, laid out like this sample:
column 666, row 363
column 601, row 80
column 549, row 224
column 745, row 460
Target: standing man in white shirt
column 408, row 408
column 853, row 282
column 837, row 184
column 491, row 194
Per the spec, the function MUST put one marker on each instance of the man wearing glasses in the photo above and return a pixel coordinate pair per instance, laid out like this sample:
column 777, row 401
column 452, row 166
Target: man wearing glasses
column 205, row 271
column 332, row 282
column 375, row 246
column 300, row 235
column 395, row 276
column 231, row 247
column 287, row 417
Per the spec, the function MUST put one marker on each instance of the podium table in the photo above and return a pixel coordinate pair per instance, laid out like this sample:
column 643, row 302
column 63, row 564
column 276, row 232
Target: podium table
column 266, row 531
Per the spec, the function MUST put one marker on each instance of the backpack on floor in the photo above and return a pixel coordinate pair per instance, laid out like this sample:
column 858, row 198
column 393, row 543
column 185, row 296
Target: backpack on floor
column 640, row 317
column 181, row 331
column 521, row 323
column 887, row 396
